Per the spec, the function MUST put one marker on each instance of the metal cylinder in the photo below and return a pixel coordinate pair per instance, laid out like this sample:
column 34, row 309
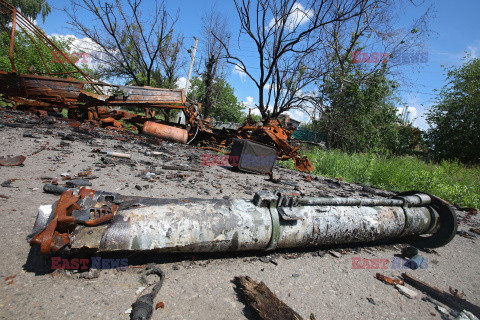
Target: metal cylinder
column 198, row 225
column 165, row 132
column 217, row 225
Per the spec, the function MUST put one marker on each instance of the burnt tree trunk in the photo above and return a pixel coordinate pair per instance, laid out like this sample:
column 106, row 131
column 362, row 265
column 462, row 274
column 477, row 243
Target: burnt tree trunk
column 208, row 78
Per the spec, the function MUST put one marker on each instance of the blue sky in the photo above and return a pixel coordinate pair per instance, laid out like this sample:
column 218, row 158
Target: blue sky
column 456, row 25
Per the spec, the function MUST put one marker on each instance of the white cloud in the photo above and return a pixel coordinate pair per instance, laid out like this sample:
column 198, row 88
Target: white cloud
column 296, row 17
column 474, row 49
column 84, row 49
column 181, row 83
column 238, row 70
column 410, row 112
column 248, row 102
column 298, row 115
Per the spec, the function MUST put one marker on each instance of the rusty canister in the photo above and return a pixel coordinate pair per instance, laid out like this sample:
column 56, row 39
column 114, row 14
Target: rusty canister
column 165, row 132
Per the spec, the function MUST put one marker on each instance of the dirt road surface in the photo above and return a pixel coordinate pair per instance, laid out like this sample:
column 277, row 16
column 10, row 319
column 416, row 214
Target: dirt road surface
column 196, row 286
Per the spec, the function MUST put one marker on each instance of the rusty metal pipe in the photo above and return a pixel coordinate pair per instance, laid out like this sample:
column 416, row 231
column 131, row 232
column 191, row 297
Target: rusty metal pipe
column 271, row 220
column 165, row 132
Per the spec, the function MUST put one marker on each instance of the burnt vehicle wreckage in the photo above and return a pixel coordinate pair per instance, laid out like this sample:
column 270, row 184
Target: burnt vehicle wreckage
column 97, row 102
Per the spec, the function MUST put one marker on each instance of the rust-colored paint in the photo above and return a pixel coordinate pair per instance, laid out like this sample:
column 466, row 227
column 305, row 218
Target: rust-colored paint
column 389, row 280
column 165, row 132
column 14, row 161
column 57, row 232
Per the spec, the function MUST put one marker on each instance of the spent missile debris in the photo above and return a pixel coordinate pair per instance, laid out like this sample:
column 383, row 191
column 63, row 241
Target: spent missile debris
column 104, row 221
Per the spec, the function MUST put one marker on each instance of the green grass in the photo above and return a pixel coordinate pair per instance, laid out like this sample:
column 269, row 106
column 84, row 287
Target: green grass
column 449, row 180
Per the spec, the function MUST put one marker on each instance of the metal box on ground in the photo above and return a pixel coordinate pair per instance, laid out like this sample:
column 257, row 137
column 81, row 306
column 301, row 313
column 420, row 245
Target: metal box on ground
column 252, row 156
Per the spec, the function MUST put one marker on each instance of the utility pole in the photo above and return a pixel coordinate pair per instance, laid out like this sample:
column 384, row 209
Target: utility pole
column 404, row 114
column 191, row 65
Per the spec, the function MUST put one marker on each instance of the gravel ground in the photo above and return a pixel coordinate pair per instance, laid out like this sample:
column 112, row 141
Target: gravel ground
column 197, row 286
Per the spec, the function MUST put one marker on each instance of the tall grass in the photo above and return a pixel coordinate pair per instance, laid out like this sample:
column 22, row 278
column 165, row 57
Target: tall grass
column 449, row 180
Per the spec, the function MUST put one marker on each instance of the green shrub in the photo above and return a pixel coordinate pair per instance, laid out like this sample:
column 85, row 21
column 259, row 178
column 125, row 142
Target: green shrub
column 449, row 180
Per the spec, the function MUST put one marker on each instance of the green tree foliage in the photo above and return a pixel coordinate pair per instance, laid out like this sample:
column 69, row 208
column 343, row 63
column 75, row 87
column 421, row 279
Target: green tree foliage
column 31, row 8
column 455, row 119
column 359, row 114
column 226, row 107
column 30, row 60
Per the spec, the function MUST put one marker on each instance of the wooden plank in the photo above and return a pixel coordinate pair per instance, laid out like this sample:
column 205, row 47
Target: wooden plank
column 259, row 297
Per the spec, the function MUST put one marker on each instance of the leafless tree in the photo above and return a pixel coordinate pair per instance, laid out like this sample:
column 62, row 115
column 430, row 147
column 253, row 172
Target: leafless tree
column 373, row 34
column 135, row 47
column 283, row 35
column 215, row 35
column 299, row 43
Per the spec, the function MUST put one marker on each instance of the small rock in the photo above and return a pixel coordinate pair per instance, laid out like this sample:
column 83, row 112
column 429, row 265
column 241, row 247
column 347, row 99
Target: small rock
column 371, row 301
column 139, row 188
column 406, row 292
column 335, row 254
column 295, row 275
column 442, row 310
column 91, row 274
column 466, row 315
column 139, row 290
column 409, row 252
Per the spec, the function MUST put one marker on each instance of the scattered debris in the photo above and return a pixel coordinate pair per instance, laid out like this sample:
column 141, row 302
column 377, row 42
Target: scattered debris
column 468, row 211
column 85, row 173
column 456, row 293
column 142, row 309
column 334, row 253
column 466, row 234
column 54, row 189
column 252, row 156
column 118, row 155
column 442, row 296
column 409, row 252
column 168, row 133
column 78, row 183
column 90, row 274
column 8, row 183
column 29, row 135
column 415, row 262
column 178, row 167
column 389, row 280
column 13, row 161
column 406, row 292
column 475, row 230
column 266, row 304
column 442, row 310
column 465, row 315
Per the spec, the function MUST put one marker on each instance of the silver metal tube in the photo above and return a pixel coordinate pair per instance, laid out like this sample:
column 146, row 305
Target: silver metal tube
column 196, row 225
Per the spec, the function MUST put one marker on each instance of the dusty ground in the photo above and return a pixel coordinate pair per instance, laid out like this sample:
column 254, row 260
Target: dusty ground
column 196, row 286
